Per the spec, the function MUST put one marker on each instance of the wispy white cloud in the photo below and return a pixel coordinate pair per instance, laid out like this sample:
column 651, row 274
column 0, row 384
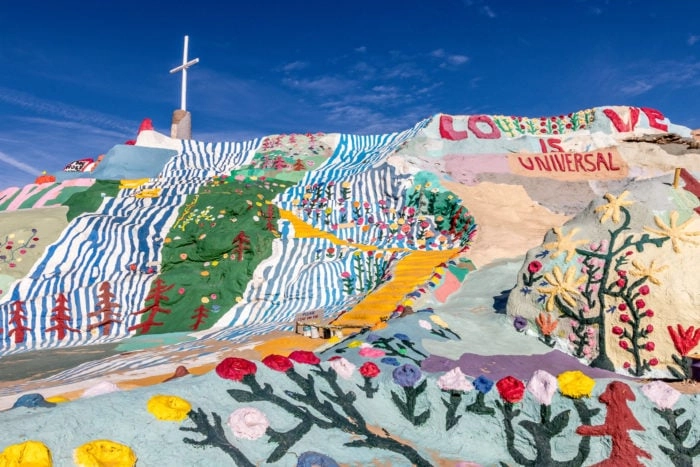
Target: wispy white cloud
column 18, row 164
column 643, row 77
column 322, row 85
column 481, row 6
column 486, row 10
column 48, row 107
column 693, row 39
column 448, row 60
column 636, row 88
column 361, row 49
column 294, row 66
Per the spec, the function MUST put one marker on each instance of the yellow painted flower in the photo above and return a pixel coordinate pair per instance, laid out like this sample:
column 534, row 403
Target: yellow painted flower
column 439, row 321
column 612, row 209
column 564, row 243
column 650, row 272
column 169, row 408
column 57, row 399
column 564, row 286
column 354, row 344
column 26, row 454
column 575, row 384
column 675, row 232
column 104, row 453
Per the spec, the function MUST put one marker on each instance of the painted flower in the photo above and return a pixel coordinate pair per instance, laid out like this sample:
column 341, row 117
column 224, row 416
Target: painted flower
column 534, row 267
column 343, row 367
column 402, row 337
column 406, row 375
column 315, row 459
column 511, row 389
column 455, row 380
column 235, row 368
column 168, row 408
column 684, row 340
column 542, row 386
column 677, row 233
column 564, row 244
column 439, row 321
column 304, row 356
column 520, row 323
column 661, row 394
column 575, row 384
column 390, row 361
column 565, row 286
column 369, row 370
column 104, row 452
column 611, row 210
column 248, row 423
column 424, row 324
column 371, row 352
column 546, row 323
column 372, row 337
column 278, row 362
column 483, row 384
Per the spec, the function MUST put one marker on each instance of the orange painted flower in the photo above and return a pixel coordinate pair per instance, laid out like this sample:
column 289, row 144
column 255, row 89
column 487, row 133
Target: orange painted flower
column 546, row 323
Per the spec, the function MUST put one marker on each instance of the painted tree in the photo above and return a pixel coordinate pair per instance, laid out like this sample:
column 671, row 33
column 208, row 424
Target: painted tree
column 279, row 163
column 157, row 296
column 270, row 218
column 61, row 317
column 105, row 313
column 18, row 319
column 587, row 300
column 299, row 166
column 241, row 245
column 199, row 316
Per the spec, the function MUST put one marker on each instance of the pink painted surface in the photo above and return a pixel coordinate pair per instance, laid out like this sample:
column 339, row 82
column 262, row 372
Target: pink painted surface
column 21, row 195
column 464, row 168
column 450, row 284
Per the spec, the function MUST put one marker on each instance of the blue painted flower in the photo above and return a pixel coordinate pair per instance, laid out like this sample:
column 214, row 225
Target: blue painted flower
column 520, row 323
column 402, row 337
column 526, row 290
column 315, row 459
column 390, row 361
column 372, row 337
column 483, row 384
column 406, row 375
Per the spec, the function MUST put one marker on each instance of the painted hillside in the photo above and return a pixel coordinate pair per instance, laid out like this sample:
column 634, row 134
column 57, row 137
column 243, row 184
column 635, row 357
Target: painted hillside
column 353, row 299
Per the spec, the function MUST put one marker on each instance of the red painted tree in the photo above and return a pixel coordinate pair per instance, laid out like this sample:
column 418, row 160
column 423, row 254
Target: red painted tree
column 105, row 313
column 279, row 163
column 157, row 295
column 200, row 314
column 270, row 218
column 241, row 245
column 18, row 318
column 299, row 165
column 60, row 317
column 618, row 421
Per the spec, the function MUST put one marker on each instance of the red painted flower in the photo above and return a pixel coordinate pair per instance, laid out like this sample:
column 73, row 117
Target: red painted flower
column 684, row 340
column 650, row 346
column 617, row 330
column 235, row 369
column 624, row 344
column 624, row 318
column 649, row 313
column 621, row 283
column 278, row 362
column 304, row 356
column 650, row 328
column 654, row 361
column 534, row 267
column 626, row 365
column 644, row 290
column 369, row 370
column 511, row 389
column 640, row 303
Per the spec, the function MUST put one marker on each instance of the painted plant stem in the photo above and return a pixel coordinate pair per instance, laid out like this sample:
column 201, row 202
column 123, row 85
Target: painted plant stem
column 214, row 436
column 680, row 455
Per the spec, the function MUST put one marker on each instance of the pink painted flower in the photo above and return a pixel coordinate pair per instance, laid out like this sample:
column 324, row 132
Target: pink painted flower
column 371, row 352
column 661, row 394
column 649, row 313
column 248, row 423
column 425, row 325
column 650, row 328
column 542, row 386
column 343, row 367
column 454, row 380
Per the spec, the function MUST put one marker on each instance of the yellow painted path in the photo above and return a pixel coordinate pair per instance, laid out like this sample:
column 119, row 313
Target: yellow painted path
column 413, row 270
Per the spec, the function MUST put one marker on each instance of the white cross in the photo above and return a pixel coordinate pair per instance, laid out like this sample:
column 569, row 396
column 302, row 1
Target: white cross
column 183, row 68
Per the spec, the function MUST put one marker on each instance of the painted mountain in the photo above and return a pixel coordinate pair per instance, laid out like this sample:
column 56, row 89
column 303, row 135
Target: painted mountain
column 475, row 290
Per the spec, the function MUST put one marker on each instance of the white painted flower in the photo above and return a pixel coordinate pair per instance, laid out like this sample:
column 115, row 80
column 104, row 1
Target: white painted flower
column 248, row 423
column 103, row 387
column 424, row 324
column 454, row 380
column 661, row 394
column 343, row 367
column 542, row 386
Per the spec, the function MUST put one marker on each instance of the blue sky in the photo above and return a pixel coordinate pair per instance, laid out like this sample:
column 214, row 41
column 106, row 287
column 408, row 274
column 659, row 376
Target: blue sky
column 78, row 77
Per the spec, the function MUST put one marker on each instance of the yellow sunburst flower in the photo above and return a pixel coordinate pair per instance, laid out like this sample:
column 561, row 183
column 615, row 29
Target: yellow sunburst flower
column 650, row 272
column 674, row 231
column 564, row 286
column 564, row 243
column 612, row 209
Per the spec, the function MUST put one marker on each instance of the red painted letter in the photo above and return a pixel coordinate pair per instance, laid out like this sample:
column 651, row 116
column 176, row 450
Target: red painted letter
column 474, row 119
column 617, row 121
column 654, row 116
column 447, row 130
